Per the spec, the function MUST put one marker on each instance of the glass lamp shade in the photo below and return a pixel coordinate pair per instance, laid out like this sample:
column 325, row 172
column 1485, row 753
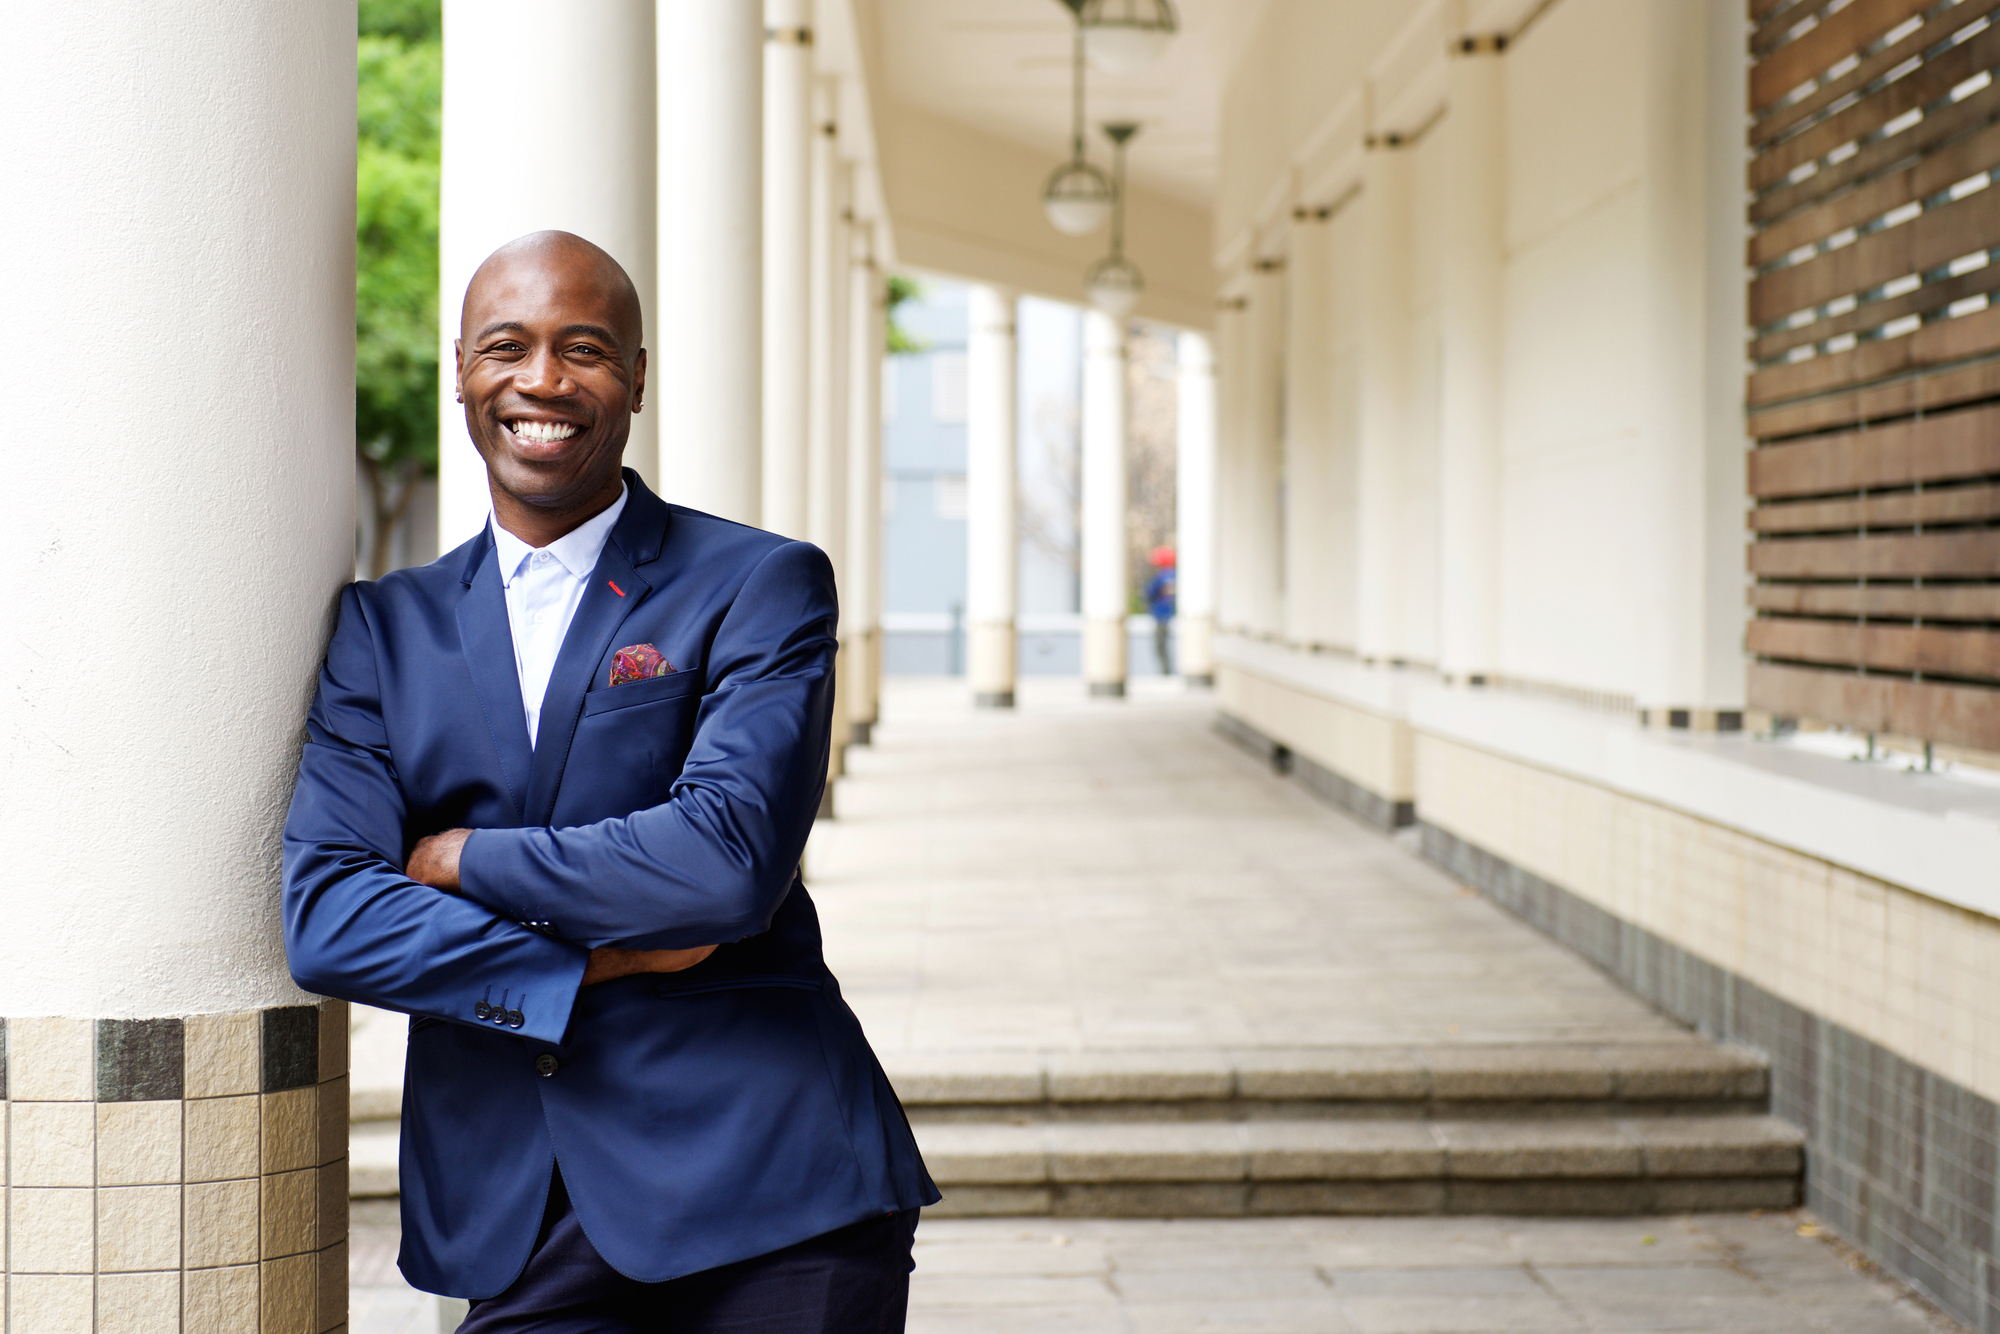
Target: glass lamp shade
column 1125, row 36
column 1123, row 48
column 1114, row 285
column 1077, row 199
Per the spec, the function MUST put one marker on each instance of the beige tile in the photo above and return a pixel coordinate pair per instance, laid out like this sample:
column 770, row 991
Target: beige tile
column 289, row 1301
column 291, row 1130
column 139, row 1303
column 290, row 1213
column 332, row 1287
column 138, row 1143
column 221, row 1223
column 49, row 1304
column 53, row 1059
column 332, row 1203
column 221, row 1138
column 334, row 1023
column 138, row 1227
column 333, row 1106
column 52, row 1143
column 49, row 1231
column 220, row 1301
column 223, row 1054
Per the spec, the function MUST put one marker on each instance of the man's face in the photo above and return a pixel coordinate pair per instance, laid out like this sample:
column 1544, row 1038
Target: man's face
column 550, row 374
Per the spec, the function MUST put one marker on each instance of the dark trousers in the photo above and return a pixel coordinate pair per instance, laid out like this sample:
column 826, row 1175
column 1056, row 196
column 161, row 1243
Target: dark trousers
column 853, row 1280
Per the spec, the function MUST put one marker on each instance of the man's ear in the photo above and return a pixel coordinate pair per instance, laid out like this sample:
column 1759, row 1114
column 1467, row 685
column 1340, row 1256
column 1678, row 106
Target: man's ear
column 638, row 379
column 458, row 367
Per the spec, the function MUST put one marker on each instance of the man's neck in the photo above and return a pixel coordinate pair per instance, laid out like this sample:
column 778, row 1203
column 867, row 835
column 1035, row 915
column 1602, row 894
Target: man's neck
column 538, row 526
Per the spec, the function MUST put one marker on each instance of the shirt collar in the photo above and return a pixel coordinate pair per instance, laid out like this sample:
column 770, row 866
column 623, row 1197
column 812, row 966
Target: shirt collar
column 576, row 550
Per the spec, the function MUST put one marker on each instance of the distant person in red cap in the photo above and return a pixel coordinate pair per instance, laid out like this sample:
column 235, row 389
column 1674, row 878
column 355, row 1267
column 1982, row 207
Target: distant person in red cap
column 1160, row 601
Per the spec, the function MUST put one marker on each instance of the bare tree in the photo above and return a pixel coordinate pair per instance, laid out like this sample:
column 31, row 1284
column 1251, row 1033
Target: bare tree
column 1049, row 500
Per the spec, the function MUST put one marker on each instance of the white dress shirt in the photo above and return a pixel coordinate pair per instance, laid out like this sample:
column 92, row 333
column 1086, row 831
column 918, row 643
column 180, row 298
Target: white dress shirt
column 544, row 588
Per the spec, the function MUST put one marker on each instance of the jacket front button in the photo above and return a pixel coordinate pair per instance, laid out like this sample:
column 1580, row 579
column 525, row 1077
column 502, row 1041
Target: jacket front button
column 545, row 1065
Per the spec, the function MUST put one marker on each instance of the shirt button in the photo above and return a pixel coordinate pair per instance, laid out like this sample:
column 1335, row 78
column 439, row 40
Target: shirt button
column 541, row 558
column 545, row 1065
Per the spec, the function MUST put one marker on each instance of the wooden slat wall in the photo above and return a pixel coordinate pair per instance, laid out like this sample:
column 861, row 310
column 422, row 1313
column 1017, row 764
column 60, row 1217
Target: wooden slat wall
column 1874, row 394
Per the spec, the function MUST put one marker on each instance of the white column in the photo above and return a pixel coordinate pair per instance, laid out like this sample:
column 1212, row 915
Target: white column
column 1194, row 509
column 506, row 63
column 991, row 559
column 826, row 433
column 1385, row 288
column 788, row 92
column 862, row 596
column 1261, row 539
column 1105, row 594
column 708, row 354
column 1307, row 443
column 1232, row 327
column 1469, row 409
column 175, row 543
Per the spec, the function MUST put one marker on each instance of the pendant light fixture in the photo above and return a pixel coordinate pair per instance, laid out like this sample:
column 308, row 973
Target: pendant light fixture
column 1077, row 197
column 1126, row 36
column 1114, row 282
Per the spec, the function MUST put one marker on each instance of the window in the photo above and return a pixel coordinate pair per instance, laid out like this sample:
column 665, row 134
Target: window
column 948, row 387
column 948, row 496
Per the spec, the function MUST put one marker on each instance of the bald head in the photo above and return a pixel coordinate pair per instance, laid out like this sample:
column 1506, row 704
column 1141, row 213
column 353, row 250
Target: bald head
column 559, row 259
column 550, row 371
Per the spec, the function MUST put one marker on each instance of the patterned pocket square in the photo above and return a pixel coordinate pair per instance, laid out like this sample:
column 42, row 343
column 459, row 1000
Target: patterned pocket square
column 637, row 662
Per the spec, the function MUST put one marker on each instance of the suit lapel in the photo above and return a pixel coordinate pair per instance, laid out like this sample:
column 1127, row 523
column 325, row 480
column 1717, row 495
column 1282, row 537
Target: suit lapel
column 488, row 643
column 615, row 591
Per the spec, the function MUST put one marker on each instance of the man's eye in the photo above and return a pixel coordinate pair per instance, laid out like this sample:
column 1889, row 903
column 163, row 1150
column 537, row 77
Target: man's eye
column 585, row 350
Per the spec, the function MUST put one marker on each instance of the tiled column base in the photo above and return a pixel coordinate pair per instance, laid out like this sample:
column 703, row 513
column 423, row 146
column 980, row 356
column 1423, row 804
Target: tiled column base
column 166, row 1175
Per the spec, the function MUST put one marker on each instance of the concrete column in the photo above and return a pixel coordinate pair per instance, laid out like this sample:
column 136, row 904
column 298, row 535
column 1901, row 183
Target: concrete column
column 1307, row 437
column 1194, row 509
column 1260, row 539
column 826, row 432
column 861, row 612
column 991, row 558
column 1384, row 318
column 603, row 54
column 1473, row 241
column 708, row 354
column 176, row 542
column 1105, row 592
column 1232, row 324
column 788, row 135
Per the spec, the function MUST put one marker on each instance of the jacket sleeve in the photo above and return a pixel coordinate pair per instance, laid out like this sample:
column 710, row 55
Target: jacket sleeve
column 713, row 862
column 356, row 927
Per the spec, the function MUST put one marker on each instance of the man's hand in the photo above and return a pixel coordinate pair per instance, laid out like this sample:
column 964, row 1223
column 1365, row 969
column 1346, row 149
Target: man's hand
column 434, row 861
column 606, row 964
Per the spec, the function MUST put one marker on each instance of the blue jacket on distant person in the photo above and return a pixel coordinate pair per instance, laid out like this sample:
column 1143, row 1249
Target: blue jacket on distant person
column 1160, row 594
column 699, row 1117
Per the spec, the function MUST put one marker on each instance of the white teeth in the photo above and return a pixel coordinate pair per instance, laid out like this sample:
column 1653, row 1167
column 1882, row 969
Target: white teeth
column 543, row 433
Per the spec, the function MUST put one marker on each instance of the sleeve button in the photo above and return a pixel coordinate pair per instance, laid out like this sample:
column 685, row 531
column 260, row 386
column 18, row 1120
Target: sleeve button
column 515, row 1019
column 482, row 1009
column 545, row 1065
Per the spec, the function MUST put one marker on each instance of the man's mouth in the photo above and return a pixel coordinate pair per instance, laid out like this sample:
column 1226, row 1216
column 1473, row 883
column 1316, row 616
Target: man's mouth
column 542, row 433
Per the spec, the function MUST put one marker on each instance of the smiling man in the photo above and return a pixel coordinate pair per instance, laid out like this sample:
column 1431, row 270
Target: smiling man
column 552, row 804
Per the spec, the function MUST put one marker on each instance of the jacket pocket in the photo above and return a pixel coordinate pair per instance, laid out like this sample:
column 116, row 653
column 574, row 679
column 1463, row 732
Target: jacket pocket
column 673, row 684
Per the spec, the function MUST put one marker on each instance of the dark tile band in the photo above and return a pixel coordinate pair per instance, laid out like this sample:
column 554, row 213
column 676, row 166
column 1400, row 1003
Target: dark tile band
column 290, row 1047
column 1902, row 1161
column 140, row 1060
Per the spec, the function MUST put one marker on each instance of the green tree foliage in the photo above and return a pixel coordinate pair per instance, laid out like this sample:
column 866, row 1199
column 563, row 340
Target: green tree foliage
column 396, row 271
column 902, row 289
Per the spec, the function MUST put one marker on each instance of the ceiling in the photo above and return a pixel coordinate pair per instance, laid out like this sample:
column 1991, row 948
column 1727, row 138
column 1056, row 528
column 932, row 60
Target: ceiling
column 1003, row 67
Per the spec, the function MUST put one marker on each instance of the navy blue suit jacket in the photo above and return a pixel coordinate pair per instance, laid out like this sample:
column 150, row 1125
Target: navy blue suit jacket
column 699, row 1117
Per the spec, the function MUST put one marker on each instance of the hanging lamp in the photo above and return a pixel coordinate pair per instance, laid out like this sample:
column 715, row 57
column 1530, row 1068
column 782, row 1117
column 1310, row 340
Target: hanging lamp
column 1126, row 36
column 1077, row 197
column 1114, row 282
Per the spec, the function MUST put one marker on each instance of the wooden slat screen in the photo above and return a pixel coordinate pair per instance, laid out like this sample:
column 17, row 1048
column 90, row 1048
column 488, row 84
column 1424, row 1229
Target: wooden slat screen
column 1874, row 391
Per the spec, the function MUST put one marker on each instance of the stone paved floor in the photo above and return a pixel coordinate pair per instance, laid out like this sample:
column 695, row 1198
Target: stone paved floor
column 1721, row 1274
column 1087, row 874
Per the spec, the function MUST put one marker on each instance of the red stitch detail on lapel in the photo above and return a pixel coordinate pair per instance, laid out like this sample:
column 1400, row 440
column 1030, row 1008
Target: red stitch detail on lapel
column 616, row 589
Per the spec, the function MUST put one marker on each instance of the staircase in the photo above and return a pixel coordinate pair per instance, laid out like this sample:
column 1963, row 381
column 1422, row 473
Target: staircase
column 1549, row 1129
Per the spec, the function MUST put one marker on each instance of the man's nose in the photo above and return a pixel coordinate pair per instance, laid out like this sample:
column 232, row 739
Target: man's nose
column 543, row 375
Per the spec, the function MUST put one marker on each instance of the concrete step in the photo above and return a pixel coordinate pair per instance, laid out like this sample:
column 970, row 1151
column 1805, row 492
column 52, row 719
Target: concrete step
column 1693, row 1077
column 1226, row 1169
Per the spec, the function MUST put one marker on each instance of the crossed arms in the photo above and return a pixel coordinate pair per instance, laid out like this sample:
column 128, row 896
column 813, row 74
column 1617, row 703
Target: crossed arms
column 659, row 886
